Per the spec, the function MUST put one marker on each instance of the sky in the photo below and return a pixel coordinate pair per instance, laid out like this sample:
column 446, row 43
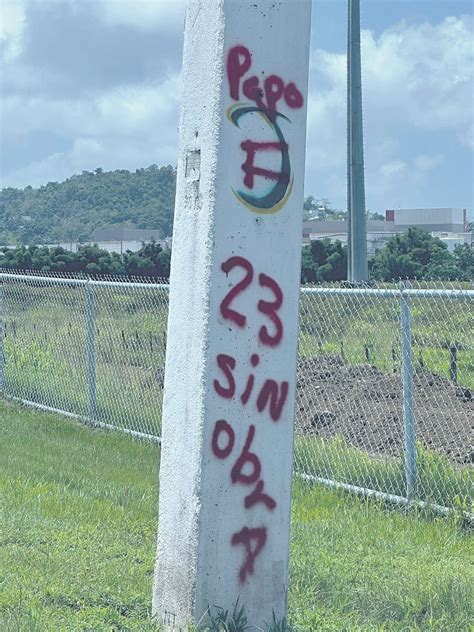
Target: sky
column 96, row 83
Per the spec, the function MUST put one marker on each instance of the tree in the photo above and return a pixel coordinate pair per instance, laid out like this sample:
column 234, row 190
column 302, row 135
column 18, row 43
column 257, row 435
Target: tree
column 464, row 258
column 414, row 254
column 320, row 208
column 150, row 260
column 442, row 266
column 88, row 260
column 375, row 215
column 309, row 207
column 324, row 261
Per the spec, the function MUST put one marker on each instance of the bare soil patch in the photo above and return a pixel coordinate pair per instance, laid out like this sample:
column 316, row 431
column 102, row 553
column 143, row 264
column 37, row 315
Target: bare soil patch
column 365, row 406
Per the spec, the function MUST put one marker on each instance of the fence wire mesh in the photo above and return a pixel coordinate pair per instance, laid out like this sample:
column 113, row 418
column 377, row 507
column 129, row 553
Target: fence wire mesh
column 385, row 376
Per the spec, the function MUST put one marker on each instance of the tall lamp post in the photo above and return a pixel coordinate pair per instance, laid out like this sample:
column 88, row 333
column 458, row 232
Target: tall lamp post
column 357, row 227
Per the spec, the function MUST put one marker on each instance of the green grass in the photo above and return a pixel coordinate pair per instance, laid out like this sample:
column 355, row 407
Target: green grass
column 438, row 480
column 78, row 527
column 349, row 325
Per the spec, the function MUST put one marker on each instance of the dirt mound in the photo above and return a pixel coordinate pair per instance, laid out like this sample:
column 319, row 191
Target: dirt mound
column 365, row 406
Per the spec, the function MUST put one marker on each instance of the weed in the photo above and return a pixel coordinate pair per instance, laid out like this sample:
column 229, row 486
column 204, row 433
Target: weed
column 222, row 620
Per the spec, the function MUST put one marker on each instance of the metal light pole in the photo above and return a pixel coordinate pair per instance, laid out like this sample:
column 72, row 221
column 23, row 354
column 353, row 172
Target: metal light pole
column 357, row 226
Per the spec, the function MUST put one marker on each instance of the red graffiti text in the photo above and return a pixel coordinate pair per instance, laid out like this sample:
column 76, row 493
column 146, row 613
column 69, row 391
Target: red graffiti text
column 246, row 536
column 266, row 96
column 271, row 394
column 268, row 308
column 247, row 468
column 267, row 396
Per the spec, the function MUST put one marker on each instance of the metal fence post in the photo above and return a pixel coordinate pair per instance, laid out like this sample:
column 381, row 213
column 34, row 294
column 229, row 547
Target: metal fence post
column 2, row 333
column 91, row 376
column 453, row 362
column 409, row 430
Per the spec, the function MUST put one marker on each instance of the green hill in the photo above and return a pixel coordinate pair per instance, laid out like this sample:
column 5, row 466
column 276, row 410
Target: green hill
column 72, row 210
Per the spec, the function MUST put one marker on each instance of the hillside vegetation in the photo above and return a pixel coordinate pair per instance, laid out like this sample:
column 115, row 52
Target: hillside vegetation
column 73, row 209
column 70, row 211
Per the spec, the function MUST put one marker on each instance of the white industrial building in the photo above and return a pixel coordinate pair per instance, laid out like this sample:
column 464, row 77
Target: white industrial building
column 122, row 239
column 118, row 240
column 454, row 239
column 448, row 224
column 378, row 232
column 450, row 220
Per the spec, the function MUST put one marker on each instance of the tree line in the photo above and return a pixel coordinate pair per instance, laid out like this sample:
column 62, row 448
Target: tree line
column 414, row 254
column 70, row 211
column 150, row 261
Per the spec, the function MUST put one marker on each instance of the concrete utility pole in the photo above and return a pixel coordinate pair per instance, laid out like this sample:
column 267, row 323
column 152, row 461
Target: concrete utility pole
column 357, row 224
column 226, row 462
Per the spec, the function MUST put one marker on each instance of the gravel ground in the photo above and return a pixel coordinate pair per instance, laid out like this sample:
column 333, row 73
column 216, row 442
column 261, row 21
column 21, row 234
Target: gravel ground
column 364, row 406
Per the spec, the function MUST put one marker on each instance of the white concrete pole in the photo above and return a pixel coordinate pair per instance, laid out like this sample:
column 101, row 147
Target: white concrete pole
column 226, row 462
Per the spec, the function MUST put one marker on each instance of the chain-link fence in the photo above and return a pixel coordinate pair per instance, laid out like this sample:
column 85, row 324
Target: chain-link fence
column 385, row 395
column 385, row 379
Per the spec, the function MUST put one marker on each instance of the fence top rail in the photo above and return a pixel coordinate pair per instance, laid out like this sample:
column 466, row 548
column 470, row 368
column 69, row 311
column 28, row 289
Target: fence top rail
column 346, row 291
column 445, row 293
column 146, row 286
column 51, row 280
column 391, row 292
column 4, row 276
column 439, row 293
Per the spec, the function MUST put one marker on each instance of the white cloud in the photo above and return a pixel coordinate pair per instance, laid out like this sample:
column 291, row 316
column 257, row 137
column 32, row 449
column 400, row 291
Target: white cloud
column 89, row 153
column 422, row 74
column 143, row 14
column 74, row 49
column 416, row 79
column 123, row 112
column 395, row 167
column 424, row 162
column 122, row 129
column 12, row 23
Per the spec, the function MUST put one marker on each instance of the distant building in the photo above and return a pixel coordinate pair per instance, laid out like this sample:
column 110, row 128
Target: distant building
column 454, row 239
column 448, row 220
column 113, row 240
column 448, row 224
column 123, row 239
column 378, row 232
column 118, row 240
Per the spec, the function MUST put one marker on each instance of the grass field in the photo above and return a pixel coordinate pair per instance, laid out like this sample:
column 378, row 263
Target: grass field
column 78, row 527
column 45, row 344
column 438, row 481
